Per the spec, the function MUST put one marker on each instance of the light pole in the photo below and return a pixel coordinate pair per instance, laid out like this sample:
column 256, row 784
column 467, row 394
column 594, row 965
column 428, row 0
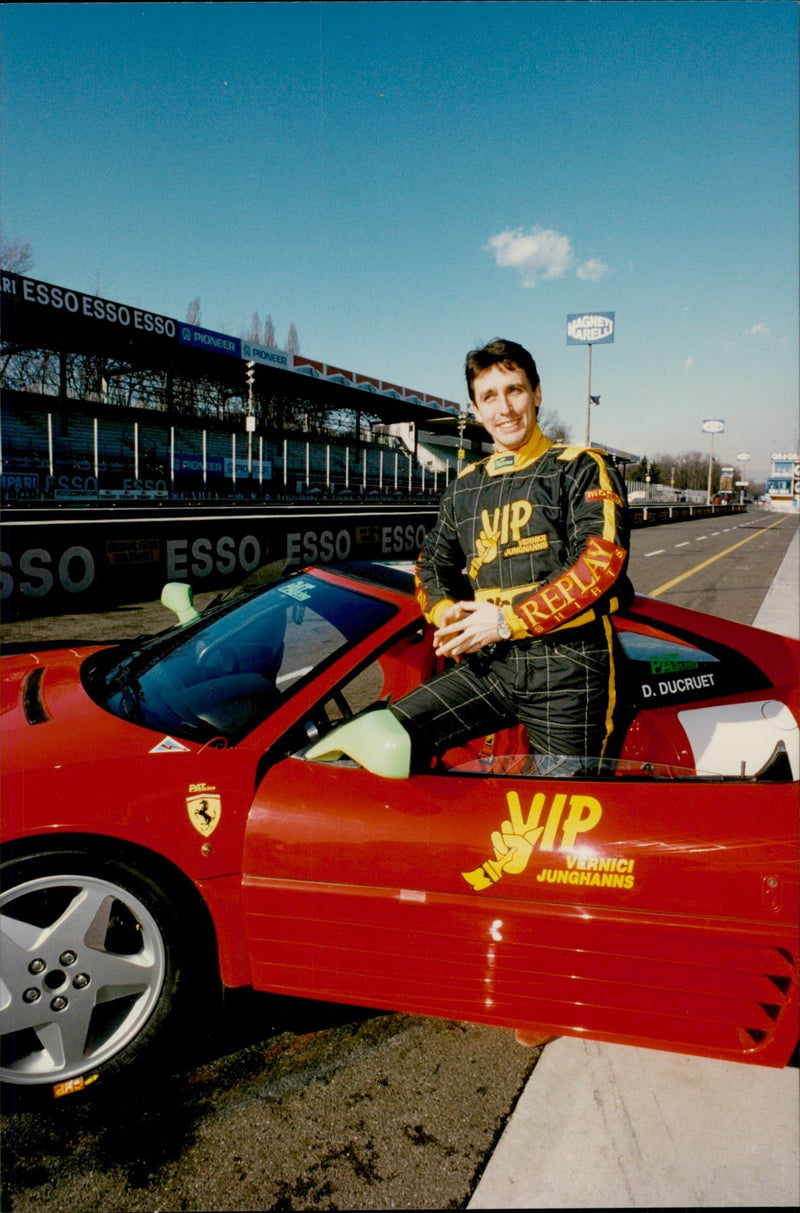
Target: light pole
column 588, row 391
column 250, row 421
column 462, row 422
column 591, row 399
column 712, row 427
column 743, row 457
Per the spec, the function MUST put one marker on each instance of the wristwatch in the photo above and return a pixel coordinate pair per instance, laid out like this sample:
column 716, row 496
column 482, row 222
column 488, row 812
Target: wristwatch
column 503, row 627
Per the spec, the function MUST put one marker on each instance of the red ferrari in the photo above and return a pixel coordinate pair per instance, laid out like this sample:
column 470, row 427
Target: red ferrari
column 229, row 803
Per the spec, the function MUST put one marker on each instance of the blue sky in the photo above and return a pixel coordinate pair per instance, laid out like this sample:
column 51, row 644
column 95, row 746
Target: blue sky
column 404, row 181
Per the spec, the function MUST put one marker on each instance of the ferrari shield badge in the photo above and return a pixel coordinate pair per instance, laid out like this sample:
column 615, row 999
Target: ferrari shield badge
column 204, row 807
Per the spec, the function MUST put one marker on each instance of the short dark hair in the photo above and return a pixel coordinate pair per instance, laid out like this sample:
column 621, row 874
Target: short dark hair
column 499, row 352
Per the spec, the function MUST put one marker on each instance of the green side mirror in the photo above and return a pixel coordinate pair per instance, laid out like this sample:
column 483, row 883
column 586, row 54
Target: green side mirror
column 375, row 740
column 177, row 597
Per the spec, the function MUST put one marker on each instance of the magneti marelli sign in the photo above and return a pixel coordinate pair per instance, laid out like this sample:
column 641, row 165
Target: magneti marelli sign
column 590, row 328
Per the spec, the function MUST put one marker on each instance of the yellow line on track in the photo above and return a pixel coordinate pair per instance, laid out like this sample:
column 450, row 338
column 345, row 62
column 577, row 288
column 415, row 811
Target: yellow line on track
column 662, row 589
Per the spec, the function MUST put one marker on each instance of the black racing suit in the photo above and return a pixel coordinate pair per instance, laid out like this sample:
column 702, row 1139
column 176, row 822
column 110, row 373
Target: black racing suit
column 543, row 533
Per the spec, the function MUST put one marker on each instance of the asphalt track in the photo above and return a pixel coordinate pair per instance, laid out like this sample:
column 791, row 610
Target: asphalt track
column 306, row 1106
column 720, row 566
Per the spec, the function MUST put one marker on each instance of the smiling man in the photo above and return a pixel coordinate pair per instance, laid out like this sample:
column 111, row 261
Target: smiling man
column 526, row 561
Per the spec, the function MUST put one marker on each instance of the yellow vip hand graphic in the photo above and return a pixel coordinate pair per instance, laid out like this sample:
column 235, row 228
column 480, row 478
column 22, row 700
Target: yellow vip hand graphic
column 517, row 837
column 512, row 851
column 486, row 551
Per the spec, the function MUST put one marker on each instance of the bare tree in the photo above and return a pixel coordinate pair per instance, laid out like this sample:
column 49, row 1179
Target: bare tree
column 292, row 341
column 553, row 427
column 688, row 470
column 15, row 255
column 193, row 311
column 269, row 333
column 255, row 329
column 31, row 371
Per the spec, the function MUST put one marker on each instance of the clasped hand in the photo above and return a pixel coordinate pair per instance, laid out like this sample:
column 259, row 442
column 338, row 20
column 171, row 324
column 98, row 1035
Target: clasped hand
column 466, row 627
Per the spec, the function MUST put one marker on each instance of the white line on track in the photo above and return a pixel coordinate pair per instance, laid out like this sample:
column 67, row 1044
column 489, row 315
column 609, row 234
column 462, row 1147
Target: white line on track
column 293, row 674
column 685, row 544
column 657, row 552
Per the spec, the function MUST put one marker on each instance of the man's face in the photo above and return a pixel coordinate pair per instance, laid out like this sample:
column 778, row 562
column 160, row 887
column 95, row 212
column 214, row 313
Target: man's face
column 506, row 404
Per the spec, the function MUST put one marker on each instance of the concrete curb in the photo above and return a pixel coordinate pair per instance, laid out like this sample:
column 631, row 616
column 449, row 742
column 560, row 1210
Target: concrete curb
column 610, row 1126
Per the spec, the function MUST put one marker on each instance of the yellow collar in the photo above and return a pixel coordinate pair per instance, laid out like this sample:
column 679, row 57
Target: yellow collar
column 513, row 461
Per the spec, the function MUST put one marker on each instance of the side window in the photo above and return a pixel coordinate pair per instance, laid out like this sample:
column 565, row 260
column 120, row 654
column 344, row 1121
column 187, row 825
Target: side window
column 661, row 669
column 359, row 693
column 407, row 662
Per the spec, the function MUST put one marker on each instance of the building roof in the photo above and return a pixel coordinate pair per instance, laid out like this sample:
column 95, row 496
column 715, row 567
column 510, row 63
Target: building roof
column 40, row 315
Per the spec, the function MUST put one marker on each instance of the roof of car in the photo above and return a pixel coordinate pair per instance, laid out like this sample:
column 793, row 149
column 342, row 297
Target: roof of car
column 393, row 574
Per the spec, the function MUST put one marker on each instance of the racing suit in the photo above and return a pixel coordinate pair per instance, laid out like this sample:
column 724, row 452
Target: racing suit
column 542, row 532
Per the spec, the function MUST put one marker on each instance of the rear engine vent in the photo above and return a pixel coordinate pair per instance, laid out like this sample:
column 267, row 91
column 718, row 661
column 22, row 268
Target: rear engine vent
column 32, row 703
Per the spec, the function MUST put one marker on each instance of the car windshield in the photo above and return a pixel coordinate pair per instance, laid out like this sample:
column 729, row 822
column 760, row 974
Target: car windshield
column 220, row 675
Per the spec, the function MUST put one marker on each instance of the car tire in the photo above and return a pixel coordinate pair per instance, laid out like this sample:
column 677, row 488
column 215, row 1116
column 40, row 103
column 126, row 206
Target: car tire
column 93, row 976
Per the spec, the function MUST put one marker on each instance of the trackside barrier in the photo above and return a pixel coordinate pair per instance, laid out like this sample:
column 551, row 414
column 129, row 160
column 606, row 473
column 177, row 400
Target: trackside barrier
column 657, row 515
column 80, row 560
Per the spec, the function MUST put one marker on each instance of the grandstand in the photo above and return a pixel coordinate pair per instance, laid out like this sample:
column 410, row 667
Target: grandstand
column 103, row 401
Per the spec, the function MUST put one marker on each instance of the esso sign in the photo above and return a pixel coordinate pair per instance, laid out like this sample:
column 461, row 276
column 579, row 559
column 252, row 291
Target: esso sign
column 40, row 571
column 77, row 569
column 198, row 558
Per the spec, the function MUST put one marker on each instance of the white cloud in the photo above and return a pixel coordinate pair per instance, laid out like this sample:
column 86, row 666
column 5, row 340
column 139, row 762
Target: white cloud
column 539, row 253
column 689, row 362
column 757, row 330
column 592, row 270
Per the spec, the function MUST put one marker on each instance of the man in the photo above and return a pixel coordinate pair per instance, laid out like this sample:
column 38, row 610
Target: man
column 541, row 533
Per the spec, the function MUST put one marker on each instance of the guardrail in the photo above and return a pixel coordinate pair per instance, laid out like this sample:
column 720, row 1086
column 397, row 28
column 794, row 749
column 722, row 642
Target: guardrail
column 652, row 514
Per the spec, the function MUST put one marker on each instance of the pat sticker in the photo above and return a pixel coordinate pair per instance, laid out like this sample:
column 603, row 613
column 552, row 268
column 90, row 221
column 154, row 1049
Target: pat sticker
column 73, row 1085
column 204, row 807
column 168, row 745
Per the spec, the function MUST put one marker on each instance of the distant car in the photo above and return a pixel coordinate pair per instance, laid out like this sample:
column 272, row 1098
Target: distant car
column 230, row 802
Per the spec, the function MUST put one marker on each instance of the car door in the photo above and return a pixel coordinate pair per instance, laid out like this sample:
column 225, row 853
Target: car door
column 628, row 908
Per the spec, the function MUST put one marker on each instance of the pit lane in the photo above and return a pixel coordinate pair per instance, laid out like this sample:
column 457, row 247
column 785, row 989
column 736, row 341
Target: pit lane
column 720, row 566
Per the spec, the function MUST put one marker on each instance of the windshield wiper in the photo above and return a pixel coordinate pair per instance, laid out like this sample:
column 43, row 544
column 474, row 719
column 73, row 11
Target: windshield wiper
column 131, row 693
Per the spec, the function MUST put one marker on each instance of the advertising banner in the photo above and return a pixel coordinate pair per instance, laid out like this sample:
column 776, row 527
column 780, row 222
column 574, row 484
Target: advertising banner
column 79, row 565
column 590, row 328
column 215, row 464
column 19, row 484
column 242, row 472
column 60, row 301
column 207, row 339
column 266, row 356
